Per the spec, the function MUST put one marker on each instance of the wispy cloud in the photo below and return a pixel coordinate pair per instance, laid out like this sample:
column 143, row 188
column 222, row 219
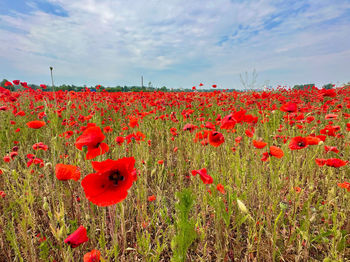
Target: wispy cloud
column 177, row 43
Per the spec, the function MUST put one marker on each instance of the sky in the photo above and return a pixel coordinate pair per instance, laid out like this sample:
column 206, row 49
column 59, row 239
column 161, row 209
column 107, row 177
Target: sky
column 176, row 43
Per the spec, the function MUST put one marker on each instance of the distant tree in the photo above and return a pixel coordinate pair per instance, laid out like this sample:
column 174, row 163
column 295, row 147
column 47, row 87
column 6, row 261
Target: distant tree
column 302, row 87
column 328, row 86
column 2, row 83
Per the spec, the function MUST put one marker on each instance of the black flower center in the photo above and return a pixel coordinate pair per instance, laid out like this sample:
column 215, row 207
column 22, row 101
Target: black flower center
column 301, row 144
column 115, row 176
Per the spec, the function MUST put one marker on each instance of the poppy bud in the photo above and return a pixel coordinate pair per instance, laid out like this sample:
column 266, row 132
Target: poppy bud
column 153, row 171
column 7, row 159
column 85, row 149
column 284, row 205
column 46, row 205
column 60, row 233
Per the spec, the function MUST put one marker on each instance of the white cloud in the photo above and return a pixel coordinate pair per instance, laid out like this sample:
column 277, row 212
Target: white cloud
column 177, row 43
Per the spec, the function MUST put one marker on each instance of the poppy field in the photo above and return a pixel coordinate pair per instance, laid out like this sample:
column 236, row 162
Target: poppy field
column 174, row 176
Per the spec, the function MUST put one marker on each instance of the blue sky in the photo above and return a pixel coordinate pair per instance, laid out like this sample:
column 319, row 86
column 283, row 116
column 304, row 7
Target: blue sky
column 175, row 43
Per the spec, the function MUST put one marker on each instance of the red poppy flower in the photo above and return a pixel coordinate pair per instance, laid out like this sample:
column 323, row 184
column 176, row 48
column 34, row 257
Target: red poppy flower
column 332, row 162
column 112, row 181
column 133, row 121
column 209, row 125
column 312, row 140
column 189, row 127
column 24, row 84
column 13, row 155
column 228, row 122
column 238, row 140
column 265, row 156
column 21, row 113
column 220, row 188
column 309, row 119
column 331, row 149
column 297, row 143
column 289, row 107
column 207, row 179
column 151, row 198
column 107, row 129
column 328, row 92
column 66, row 134
column 78, row 237
column 16, row 82
column 331, row 116
column 173, row 131
column 41, row 146
column 2, row 194
column 201, row 135
column 92, row 138
column 259, row 144
column 276, row 152
column 66, row 172
column 320, row 161
column 216, row 138
column 7, row 159
column 335, row 162
column 345, row 185
column 119, row 140
column 93, row 256
column 36, row 124
column 249, row 132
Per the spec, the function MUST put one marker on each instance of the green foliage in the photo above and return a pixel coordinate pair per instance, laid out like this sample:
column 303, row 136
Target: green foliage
column 2, row 83
column 302, row 87
column 328, row 86
column 185, row 227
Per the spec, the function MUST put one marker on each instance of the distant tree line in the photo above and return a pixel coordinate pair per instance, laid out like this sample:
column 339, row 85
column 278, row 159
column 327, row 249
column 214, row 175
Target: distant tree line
column 92, row 88
column 148, row 88
column 306, row 86
column 118, row 88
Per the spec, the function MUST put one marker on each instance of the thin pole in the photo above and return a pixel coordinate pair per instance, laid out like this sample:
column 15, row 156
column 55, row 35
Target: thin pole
column 53, row 86
column 141, row 81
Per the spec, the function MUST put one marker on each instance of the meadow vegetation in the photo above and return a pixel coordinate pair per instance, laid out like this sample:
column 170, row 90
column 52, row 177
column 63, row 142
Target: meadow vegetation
column 216, row 176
